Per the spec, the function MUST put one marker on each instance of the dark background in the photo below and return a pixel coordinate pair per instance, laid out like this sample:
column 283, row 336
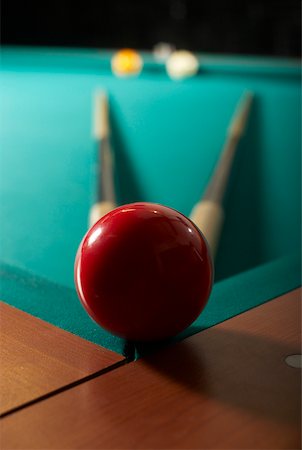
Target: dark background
column 242, row 27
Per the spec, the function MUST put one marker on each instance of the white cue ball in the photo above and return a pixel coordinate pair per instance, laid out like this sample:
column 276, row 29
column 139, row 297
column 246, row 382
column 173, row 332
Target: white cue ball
column 182, row 64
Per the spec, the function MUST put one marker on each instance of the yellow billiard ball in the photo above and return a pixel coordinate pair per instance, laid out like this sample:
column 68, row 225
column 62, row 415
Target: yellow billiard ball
column 126, row 62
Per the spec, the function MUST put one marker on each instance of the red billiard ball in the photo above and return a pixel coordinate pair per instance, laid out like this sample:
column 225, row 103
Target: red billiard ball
column 144, row 272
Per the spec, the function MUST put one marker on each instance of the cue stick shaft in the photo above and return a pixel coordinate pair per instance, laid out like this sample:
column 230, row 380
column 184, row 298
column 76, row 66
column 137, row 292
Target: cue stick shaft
column 208, row 214
column 105, row 200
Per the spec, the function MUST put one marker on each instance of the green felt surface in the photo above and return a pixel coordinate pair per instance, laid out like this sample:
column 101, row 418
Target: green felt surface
column 166, row 137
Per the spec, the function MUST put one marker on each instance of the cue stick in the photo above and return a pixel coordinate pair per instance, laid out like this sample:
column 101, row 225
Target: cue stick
column 105, row 200
column 208, row 214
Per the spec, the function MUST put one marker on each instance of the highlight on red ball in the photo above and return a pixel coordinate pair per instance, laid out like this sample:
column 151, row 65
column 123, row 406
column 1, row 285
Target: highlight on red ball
column 144, row 272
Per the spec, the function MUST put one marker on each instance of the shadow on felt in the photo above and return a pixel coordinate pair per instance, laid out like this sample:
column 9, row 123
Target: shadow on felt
column 127, row 186
column 242, row 244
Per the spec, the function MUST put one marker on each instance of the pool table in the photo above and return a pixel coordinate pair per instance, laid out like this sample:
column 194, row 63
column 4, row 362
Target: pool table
column 166, row 137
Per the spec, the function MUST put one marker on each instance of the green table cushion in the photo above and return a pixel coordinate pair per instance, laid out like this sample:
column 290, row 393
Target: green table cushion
column 60, row 306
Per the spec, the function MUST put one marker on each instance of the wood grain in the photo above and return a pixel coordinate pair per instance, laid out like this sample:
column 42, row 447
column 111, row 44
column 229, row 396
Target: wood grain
column 37, row 358
column 227, row 387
